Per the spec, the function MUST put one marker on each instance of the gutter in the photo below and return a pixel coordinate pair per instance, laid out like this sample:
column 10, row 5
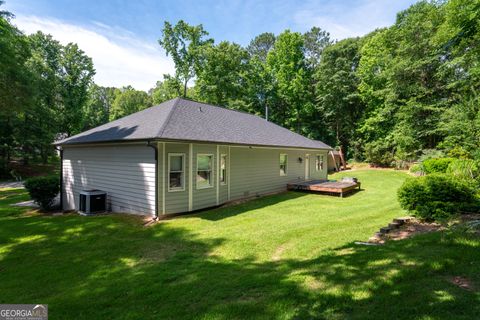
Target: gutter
column 60, row 149
column 154, row 147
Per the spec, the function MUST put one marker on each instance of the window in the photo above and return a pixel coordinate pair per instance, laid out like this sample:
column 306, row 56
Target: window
column 223, row 169
column 283, row 164
column 176, row 172
column 319, row 162
column 204, row 171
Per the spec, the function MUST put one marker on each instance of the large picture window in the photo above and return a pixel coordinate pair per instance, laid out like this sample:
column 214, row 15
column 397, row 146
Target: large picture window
column 204, row 171
column 283, row 164
column 176, row 172
column 223, row 169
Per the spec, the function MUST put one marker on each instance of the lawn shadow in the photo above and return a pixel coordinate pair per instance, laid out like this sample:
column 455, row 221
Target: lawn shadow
column 244, row 207
column 112, row 267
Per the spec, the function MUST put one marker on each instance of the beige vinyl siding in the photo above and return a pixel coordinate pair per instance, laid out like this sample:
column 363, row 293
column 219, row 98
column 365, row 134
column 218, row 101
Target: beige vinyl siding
column 207, row 197
column 176, row 201
column 125, row 172
column 223, row 188
column 256, row 171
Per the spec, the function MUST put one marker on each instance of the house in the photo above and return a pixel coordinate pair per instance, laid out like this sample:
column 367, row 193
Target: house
column 182, row 156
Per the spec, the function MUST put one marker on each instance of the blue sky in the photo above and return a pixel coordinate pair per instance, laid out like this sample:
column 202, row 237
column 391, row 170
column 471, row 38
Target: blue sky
column 121, row 36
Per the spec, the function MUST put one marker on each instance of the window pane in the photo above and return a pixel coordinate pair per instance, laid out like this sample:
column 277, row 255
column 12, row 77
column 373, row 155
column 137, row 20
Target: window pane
column 176, row 163
column 223, row 170
column 176, row 180
column 283, row 164
column 204, row 162
column 204, row 178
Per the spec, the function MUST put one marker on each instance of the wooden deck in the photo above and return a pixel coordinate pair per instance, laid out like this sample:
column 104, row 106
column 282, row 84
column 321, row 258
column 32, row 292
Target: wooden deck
column 337, row 187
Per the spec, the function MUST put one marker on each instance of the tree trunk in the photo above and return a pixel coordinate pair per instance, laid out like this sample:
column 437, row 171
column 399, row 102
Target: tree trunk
column 185, row 88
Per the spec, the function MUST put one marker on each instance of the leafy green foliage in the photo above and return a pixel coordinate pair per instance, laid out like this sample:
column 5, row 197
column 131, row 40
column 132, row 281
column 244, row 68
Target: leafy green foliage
column 437, row 165
column 465, row 169
column 43, row 190
column 183, row 43
column 417, row 169
column 221, row 74
column 127, row 101
column 436, row 196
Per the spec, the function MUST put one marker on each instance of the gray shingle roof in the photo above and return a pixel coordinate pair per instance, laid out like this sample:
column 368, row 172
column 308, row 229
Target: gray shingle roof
column 181, row 119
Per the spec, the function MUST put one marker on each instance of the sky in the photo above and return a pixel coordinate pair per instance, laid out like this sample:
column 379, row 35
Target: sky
column 122, row 36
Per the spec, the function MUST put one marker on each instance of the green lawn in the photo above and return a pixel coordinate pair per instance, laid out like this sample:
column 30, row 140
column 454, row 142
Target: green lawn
column 289, row 256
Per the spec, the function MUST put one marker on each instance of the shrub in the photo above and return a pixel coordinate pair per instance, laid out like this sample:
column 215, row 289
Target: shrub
column 464, row 169
column 436, row 165
column 379, row 154
column 417, row 169
column 43, row 190
column 436, row 196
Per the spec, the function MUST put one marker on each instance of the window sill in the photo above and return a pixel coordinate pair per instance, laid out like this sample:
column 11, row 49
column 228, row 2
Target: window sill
column 206, row 187
column 176, row 190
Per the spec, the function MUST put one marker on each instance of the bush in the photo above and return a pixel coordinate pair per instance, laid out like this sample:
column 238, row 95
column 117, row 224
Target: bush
column 379, row 154
column 417, row 169
column 436, row 165
column 464, row 169
column 436, row 196
column 43, row 190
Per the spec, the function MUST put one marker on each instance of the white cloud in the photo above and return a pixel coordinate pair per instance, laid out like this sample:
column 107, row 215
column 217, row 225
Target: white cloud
column 347, row 19
column 119, row 57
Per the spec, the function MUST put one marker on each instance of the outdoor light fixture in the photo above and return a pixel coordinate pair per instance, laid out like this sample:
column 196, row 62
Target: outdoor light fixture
column 300, row 160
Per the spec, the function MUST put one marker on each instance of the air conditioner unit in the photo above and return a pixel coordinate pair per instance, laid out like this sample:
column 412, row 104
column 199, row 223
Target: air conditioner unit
column 93, row 201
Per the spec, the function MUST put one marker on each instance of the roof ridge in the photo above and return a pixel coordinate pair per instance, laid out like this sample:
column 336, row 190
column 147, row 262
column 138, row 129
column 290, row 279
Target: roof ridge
column 167, row 120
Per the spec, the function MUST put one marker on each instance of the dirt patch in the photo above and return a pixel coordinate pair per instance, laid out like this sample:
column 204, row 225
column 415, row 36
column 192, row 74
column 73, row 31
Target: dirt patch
column 462, row 282
column 277, row 255
column 412, row 228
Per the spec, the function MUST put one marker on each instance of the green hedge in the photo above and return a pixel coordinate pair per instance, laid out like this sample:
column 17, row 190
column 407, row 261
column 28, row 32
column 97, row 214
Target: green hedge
column 43, row 190
column 436, row 196
column 436, row 165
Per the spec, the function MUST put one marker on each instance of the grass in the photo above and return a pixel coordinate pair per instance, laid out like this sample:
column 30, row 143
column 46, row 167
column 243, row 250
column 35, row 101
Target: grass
column 288, row 256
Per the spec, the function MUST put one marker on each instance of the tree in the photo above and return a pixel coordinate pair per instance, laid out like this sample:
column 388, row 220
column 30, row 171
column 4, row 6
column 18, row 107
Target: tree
column 286, row 65
column 15, row 85
column 40, row 122
column 167, row 89
column 183, row 42
column 315, row 41
column 128, row 101
column 75, row 79
column 97, row 110
column 261, row 45
column 339, row 105
column 403, row 85
column 221, row 73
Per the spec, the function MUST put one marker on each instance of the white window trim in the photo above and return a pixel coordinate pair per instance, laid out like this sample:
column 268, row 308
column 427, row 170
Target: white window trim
column 319, row 158
column 184, row 171
column 211, row 169
column 224, row 183
column 286, row 165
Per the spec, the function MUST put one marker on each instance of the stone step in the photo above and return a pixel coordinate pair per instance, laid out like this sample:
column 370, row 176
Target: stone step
column 374, row 239
column 402, row 220
column 394, row 225
column 385, row 230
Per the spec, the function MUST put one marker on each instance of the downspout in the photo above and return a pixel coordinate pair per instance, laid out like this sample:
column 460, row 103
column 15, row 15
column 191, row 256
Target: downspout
column 60, row 149
column 154, row 147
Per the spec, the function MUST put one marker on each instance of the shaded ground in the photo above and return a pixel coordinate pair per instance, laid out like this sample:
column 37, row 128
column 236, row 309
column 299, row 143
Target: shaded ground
column 288, row 256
